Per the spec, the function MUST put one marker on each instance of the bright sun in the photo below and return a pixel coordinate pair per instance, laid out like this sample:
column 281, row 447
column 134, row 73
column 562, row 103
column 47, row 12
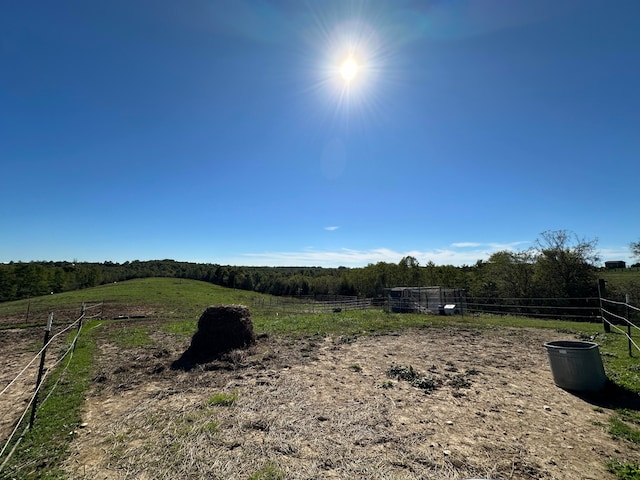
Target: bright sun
column 348, row 69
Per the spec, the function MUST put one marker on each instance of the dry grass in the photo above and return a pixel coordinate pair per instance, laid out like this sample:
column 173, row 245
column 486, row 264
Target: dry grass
column 301, row 411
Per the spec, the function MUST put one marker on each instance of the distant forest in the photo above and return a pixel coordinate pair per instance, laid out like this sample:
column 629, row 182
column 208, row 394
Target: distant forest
column 560, row 267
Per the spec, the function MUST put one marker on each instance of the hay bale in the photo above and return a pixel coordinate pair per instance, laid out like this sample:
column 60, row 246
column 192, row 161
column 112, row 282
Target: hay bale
column 221, row 328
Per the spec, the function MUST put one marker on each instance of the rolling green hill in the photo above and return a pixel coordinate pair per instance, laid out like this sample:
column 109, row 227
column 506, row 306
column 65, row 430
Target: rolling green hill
column 157, row 297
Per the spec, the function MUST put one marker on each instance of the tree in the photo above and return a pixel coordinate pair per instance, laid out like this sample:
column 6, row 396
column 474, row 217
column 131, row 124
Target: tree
column 565, row 264
column 635, row 249
column 511, row 273
column 409, row 269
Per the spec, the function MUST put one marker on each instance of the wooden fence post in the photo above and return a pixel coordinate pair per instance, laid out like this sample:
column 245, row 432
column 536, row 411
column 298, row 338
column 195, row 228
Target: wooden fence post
column 40, row 370
column 26, row 318
column 75, row 340
column 602, row 292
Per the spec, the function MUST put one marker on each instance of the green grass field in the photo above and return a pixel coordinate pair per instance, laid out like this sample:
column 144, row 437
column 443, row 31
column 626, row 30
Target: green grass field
column 177, row 304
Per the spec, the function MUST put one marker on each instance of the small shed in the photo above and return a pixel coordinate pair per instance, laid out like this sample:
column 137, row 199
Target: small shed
column 425, row 299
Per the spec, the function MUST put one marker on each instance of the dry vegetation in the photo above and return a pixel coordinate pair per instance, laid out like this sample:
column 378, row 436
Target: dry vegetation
column 336, row 407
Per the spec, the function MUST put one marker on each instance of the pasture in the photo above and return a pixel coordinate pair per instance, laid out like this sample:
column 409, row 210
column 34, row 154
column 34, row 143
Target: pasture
column 320, row 396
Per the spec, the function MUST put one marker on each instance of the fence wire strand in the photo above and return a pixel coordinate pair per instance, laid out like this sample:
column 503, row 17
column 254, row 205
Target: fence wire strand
column 623, row 332
column 627, row 321
column 46, row 375
column 37, row 355
column 624, row 304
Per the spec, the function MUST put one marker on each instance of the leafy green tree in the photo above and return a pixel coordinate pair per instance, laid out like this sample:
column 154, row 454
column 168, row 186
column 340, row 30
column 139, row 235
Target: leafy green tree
column 564, row 265
column 409, row 270
column 8, row 286
column 511, row 273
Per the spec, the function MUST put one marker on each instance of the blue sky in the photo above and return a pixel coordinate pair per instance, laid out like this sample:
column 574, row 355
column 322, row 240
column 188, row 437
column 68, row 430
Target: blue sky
column 223, row 131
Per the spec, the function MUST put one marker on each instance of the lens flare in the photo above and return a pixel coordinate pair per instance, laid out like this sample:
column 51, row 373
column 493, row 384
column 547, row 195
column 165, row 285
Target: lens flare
column 349, row 69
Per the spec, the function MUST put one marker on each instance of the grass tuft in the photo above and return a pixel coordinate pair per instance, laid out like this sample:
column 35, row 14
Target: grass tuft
column 223, row 399
column 620, row 429
column 270, row 471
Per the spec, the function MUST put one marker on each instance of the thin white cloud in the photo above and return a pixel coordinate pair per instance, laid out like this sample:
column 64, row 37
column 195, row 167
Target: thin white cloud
column 491, row 245
column 331, row 229
column 616, row 253
column 469, row 254
column 465, row 244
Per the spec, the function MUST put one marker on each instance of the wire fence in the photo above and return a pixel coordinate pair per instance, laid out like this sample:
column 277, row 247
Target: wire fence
column 43, row 374
column 575, row 309
column 304, row 304
column 36, row 311
column 618, row 315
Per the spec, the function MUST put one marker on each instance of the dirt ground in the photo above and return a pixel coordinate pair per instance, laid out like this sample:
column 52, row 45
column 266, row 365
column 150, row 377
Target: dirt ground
column 19, row 347
column 326, row 407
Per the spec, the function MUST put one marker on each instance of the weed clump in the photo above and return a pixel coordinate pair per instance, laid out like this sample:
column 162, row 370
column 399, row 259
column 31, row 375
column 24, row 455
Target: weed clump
column 416, row 379
column 432, row 381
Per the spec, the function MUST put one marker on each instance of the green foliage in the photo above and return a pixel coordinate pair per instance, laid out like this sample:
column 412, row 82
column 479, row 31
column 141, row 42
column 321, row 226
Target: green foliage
column 621, row 429
column 564, row 265
column 512, row 273
column 561, row 265
column 624, row 471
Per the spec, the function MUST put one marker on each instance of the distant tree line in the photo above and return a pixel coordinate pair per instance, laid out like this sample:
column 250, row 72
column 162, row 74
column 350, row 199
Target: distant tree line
column 560, row 265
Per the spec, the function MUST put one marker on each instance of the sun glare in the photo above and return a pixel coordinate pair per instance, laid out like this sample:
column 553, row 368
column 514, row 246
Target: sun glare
column 349, row 69
column 351, row 66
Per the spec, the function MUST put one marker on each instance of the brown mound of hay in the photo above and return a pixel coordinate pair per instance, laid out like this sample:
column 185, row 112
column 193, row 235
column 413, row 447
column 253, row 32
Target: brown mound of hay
column 221, row 328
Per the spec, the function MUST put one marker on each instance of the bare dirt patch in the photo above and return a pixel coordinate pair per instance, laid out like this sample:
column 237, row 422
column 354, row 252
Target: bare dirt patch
column 327, row 407
column 19, row 347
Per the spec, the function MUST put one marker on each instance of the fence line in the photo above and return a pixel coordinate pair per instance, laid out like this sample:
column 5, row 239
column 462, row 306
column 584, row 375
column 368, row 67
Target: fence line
column 37, row 355
column 620, row 317
column 621, row 303
column 583, row 309
column 37, row 311
column 615, row 327
column 609, row 317
column 40, row 384
column 308, row 305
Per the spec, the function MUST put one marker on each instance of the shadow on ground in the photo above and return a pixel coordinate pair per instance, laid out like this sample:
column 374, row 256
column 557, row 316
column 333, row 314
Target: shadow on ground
column 612, row 396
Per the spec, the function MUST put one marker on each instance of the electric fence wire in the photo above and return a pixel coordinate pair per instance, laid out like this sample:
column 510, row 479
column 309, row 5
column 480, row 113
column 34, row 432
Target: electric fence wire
column 613, row 325
column 625, row 320
column 622, row 304
column 69, row 352
column 38, row 354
